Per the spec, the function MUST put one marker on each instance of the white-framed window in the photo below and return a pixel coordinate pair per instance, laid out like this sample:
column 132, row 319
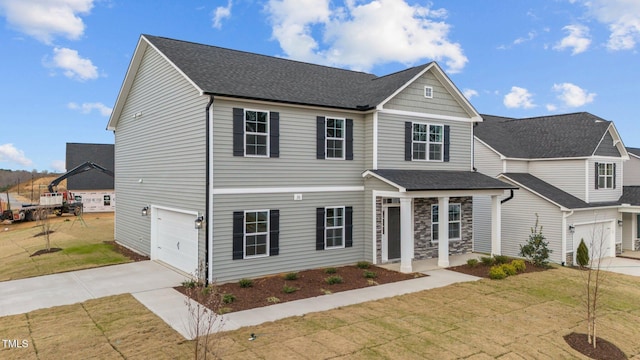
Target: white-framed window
column 256, row 133
column 455, row 222
column 428, row 92
column 428, row 142
column 334, row 138
column 256, row 233
column 334, row 227
column 605, row 175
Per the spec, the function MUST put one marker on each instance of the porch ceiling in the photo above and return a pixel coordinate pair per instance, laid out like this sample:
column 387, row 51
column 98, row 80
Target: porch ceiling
column 430, row 180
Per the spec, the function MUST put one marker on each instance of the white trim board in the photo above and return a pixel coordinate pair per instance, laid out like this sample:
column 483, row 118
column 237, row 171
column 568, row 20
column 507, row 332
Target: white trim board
column 280, row 190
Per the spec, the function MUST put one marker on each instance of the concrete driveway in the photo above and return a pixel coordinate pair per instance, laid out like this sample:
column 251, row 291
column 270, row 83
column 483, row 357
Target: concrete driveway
column 621, row 265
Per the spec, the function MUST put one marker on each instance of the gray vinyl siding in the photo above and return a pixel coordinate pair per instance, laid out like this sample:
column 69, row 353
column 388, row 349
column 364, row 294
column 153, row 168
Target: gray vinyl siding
column 482, row 224
column 568, row 175
column 632, row 171
column 517, row 166
column 519, row 216
column 602, row 195
column 159, row 156
column 297, row 234
column 412, row 98
column 391, row 144
column 368, row 141
column 297, row 164
column 486, row 160
column 606, row 147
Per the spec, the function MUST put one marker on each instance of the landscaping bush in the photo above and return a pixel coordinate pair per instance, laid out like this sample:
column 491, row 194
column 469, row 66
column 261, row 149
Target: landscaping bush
column 519, row 264
column 228, row 298
column 273, row 300
column 370, row 274
column 330, row 270
column 472, row 262
column 582, row 256
column 501, row 259
column 363, row 264
column 245, row 283
column 190, row 284
column 497, row 273
column 536, row 249
column 509, row 269
column 487, row 260
column 331, row 280
column 289, row 289
column 291, row 276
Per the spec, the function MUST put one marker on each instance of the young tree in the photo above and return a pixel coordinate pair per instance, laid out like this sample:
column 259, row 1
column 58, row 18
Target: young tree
column 582, row 256
column 593, row 278
column 536, row 249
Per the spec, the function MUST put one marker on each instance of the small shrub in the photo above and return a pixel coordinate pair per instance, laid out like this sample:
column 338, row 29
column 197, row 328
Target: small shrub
column 224, row 310
column 228, row 298
column 330, row 270
column 536, row 249
column 325, row 292
column 363, row 264
column 372, row 282
column 497, row 273
column 245, row 283
column 370, row 275
column 289, row 289
column 472, row 262
column 190, row 284
column 501, row 259
column 582, row 256
column 509, row 269
column 273, row 300
column 291, row 276
column 331, row 280
column 519, row 264
column 487, row 260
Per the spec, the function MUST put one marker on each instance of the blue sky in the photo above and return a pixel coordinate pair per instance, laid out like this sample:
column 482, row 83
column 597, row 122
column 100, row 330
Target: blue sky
column 63, row 61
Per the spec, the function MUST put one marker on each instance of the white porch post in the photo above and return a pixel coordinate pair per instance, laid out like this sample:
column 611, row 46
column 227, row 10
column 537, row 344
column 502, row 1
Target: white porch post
column 406, row 236
column 496, row 225
column 443, row 231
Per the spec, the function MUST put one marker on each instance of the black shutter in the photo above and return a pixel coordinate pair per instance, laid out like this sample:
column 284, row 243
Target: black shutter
column 408, row 136
column 320, row 137
column 274, row 232
column 596, row 176
column 238, row 235
column 320, row 229
column 447, row 135
column 614, row 175
column 349, row 140
column 348, row 226
column 238, row 132
column 274, row 134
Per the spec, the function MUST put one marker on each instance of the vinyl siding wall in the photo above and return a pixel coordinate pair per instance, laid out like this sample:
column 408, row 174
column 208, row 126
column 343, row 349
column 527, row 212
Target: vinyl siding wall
column 632, row 171
column 159, row 156
column 568, row 175
column 486, row 160
column 488, row 163
column 517, row 166
column 297, row 234
column 601, row 195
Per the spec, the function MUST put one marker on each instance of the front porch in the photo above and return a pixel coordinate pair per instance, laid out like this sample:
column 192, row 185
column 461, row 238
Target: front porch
column 432, row 264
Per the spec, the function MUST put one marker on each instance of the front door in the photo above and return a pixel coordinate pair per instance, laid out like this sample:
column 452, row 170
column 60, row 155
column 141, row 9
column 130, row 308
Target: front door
column 393, row 232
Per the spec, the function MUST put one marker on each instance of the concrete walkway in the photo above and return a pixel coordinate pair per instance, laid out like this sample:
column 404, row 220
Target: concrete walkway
column 622, row 265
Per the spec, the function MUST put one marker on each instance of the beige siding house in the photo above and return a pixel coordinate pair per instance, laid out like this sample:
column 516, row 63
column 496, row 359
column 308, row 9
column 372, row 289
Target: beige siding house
column 242, row 165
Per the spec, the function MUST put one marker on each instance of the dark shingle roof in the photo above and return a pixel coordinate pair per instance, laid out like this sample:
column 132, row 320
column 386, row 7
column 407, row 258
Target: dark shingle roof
column 101, row 154
column 634, row 151
column 417, row 180
column 567, row 135
column 226, row 72
column 553, row 193
column 630, row 195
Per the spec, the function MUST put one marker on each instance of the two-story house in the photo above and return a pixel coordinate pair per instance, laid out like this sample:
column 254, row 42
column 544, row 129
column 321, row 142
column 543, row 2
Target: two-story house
column 569, row 171
column 245, row 165
column 630, row 200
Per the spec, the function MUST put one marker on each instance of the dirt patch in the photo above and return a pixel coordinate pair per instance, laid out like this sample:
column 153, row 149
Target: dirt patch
column 45, row 251
column 482, row 270
column 604, row 350
column 127, row 252
column 309, row 283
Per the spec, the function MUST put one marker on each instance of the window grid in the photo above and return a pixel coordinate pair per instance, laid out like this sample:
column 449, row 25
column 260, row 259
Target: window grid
column 256, row 233
column 455, row 222
column 605, row 176
column 334, row 227
column 427, row 142
column 334, row 131
column 256, row 132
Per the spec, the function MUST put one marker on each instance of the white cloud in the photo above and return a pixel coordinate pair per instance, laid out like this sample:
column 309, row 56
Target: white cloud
column 45, row 19
column 74, row 66
column 9, row 153
column 58, row 166
column 519, row 98
column 469, row 93
column 551, row 107
column 87, row 108
column 221, row 13
column 572, row 95
column 623, row 19
column 530, row 36
column 578, row 39
column 363, row 34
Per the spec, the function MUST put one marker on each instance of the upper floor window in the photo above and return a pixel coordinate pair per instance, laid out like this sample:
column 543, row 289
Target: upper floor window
column 428, row 142
column 605, row 176
column 428, row 92
column 455, row 222
column 335, row 132
column 256, row 133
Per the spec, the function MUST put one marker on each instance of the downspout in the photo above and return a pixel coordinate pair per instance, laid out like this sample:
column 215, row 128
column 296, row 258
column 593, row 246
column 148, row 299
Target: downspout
column 207, row 211
column 507, row 198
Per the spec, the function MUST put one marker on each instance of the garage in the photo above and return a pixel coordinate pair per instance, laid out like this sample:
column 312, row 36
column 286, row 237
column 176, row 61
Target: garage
column 599, row 238
column 174, row 239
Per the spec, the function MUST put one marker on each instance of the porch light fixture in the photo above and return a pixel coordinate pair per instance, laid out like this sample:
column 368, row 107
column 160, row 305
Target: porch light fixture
column 199, row 222
column 620, row 223
column 572, row 229
column 145, row 211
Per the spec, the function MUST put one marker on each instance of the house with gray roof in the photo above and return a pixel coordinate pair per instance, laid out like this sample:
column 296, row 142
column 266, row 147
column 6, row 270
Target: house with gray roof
column 243, row 165
column 94, row 188
column 632, row 167
column 569, row 171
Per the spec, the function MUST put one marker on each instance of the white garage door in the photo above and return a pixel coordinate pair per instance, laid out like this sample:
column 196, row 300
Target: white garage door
column 599, row 238
column 175, row 239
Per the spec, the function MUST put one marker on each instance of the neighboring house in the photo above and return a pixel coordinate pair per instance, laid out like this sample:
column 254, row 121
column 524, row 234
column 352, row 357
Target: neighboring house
column 249, row 165
column 632, row 167
column 569, row 171
column 631, row 196
column 94, row 188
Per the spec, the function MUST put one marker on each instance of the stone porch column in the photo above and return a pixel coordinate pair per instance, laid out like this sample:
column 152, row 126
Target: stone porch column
column 406, row 235
column 443, row 231
column 496, row 225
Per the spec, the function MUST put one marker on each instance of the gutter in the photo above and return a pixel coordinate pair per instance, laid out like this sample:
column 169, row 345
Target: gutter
column 207, row 211
column 508, row 198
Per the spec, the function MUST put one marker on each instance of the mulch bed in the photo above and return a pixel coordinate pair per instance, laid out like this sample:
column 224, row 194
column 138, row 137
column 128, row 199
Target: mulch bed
column 604, row 350
column 482, row 270
column 310, row 283
column 126, row 252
